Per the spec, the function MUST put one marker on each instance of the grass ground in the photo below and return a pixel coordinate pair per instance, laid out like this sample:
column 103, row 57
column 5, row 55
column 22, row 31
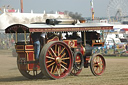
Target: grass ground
column 116, row 73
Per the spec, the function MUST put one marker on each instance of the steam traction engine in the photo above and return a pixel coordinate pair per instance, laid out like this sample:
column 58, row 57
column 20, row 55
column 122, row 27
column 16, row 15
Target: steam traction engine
column 66, row 48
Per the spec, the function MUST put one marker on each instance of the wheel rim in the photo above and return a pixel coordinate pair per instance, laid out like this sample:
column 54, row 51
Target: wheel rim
column 98, row 65
column 31, row 74
column 78, row 63
column 57, row 60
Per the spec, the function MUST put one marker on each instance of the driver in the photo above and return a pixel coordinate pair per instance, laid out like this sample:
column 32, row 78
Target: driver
column 36, row 36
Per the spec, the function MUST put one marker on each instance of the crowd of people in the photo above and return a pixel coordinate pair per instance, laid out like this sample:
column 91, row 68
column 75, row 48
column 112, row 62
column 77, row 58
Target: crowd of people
column 108, row 50
column 7, row 43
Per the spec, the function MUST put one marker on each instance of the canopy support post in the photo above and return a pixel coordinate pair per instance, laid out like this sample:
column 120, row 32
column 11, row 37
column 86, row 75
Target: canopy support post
column 25, row 36
column 84, row 38
column 103, row 36
column 16, row 36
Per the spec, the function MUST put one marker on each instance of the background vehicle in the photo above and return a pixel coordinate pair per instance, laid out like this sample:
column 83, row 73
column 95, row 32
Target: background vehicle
column 114, row 42
column 124, row 41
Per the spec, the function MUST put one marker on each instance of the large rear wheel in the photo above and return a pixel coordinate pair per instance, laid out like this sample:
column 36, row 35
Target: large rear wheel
column 56, row 60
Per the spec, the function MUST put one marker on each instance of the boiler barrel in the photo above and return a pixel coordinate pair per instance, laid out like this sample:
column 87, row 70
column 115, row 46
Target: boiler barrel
column 88, row 51
column 60, row 21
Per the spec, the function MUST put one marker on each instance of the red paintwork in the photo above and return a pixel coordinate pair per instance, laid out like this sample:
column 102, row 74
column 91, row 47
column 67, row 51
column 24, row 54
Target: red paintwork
column 71, row 43
column 82, row 50
column 29, row 47
column 67, row 29
column 28, row 54
column 19, row 47
column 53, row 39
column 30, row 57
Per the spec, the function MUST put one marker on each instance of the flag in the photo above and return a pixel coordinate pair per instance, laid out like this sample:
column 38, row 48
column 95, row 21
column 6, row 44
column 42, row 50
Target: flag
column 60, row 12
column 91, row 2
column 11, row 10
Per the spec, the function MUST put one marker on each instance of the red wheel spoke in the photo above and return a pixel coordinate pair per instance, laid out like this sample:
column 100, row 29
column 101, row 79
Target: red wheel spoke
column 50, row 64
column 53, row 52
column 95, row 65
column 58, row 72
column 63, row 62
column 94, row 61
column 96, row 69
column 61, row 52
column 52, row 68
column 49, row 61
column 63, row 55
column 55, row 69
column 99, row 58
column 101, row 64
column 64, row 67
column 100, row 68
column 50, row 57
column 65, row 58
column 55, row 48
column 50, row 53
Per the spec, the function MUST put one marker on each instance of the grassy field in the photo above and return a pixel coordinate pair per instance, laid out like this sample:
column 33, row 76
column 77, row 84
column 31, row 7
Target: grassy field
column 116, row 73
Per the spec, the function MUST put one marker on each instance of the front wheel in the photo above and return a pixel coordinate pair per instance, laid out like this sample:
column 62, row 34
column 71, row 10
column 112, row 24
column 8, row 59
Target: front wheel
column 97, row 64
column 56, row 60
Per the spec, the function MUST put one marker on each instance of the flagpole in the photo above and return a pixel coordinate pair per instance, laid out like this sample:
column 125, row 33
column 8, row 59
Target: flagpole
column 21, row 2
column 92, row 9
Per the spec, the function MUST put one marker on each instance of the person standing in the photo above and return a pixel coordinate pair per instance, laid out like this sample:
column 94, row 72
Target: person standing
column 36, row 36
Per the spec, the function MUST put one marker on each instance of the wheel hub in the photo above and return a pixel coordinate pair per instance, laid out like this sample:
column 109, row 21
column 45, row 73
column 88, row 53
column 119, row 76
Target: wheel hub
column 58, row 60
column 77, row 57
column 98, row 64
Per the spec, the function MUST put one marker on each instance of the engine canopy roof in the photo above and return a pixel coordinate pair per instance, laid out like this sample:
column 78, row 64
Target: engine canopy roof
column 21, row 28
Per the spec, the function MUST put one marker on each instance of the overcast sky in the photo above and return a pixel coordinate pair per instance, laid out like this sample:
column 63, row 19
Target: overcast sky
column 80, row 6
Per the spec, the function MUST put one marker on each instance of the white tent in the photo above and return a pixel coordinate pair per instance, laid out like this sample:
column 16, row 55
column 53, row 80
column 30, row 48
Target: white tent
column 7, row 19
